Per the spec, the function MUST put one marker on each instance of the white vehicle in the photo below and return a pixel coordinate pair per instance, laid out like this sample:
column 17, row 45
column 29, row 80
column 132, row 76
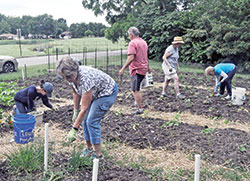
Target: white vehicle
column 8, row 64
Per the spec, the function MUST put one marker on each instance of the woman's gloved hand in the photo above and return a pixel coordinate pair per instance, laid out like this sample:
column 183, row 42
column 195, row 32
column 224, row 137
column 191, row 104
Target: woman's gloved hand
column 71, row 137
column 76, row 112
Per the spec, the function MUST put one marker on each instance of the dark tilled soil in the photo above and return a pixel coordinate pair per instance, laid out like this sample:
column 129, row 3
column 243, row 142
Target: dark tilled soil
column 221, row 146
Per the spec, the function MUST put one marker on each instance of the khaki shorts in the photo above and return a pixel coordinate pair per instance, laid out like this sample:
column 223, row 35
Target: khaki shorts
column 169, row 75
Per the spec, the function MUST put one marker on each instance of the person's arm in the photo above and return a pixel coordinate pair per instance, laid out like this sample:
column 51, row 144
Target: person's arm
column 85, row 103
column 216, row 80
column 76, row 99
column 165, row 56
column 129, row 60
column 45, row 101
column 224, row 75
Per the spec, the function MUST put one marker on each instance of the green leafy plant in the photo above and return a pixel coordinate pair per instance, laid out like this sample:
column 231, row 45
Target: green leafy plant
column 7, row 92
column 208, row 131
column 243, row 147
column 172, row 123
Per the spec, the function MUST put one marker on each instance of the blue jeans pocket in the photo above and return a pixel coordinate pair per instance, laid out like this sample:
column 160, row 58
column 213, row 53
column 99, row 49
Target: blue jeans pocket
column 105, row 107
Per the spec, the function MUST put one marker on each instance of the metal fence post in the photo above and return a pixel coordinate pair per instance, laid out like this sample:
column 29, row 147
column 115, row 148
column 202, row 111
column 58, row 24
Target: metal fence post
column 57, row 54
column 48, row 61
column 121, row 58
column 69, row 51
column 107, row 66
column 95, row 57
column 25, row 70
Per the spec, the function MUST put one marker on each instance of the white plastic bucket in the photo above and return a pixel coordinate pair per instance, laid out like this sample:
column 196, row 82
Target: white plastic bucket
column 238, row 95
column 147, row 81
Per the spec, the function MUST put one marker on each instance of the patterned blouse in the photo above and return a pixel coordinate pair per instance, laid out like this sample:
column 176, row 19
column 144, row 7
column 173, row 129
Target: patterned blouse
column 90, row 78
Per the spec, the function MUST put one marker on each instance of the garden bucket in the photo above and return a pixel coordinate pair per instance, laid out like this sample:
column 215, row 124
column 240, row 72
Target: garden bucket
column 238, row 95
column 147, row 81
column 24, row 125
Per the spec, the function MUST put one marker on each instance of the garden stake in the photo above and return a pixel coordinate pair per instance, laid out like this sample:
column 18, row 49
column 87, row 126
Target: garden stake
column 197, row 167
column 46, row 137
column 95, row 169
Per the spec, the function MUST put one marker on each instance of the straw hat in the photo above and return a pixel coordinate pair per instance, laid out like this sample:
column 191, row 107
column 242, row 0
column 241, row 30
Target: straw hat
column 178, row 39
column 208, row 70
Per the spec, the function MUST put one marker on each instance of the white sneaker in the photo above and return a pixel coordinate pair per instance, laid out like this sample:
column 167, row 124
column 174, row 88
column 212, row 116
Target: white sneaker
column 228, row 97
column 180, row 96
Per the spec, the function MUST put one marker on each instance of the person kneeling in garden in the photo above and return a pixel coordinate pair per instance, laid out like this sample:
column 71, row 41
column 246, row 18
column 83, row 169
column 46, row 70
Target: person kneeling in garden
column 24, row 99
column 224, row 73
column 96, row 92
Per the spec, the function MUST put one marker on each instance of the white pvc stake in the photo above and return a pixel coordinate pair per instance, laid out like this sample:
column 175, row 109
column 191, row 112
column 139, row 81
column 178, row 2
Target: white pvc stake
column 46, row 141
column 95, row 169
column 197, row 167
column 23, row 74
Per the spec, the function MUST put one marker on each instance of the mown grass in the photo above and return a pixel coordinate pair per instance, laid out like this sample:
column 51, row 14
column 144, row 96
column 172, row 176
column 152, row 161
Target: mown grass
column 11, row 47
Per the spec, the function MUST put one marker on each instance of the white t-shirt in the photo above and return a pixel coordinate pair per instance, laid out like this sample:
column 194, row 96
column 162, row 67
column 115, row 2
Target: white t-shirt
column 90, row 78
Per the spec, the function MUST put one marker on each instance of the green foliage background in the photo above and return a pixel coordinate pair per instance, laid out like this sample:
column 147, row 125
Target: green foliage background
column 213, row 30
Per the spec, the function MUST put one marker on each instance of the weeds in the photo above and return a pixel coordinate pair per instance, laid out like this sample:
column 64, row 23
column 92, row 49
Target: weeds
column 29, row 158
column 208, row 131
column 76, row 162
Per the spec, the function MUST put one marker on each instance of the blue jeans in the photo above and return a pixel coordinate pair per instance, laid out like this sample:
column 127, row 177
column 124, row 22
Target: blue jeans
column 21, row 108
column 92, row 119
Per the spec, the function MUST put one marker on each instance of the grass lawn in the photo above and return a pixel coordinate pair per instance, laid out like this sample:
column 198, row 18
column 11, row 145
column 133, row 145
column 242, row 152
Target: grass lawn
column 11, row 47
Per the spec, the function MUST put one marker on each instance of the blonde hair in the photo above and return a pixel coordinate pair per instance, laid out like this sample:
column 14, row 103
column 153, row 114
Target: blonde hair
column 208, row 70
column 67, row 67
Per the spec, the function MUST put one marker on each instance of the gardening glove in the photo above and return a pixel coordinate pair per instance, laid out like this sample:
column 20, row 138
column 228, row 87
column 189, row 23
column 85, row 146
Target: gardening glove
column 71, row 137
column 170, row 69
column 76, row 112
column 219, row 84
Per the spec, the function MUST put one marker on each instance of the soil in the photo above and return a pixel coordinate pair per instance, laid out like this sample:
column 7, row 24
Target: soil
column 220, row 146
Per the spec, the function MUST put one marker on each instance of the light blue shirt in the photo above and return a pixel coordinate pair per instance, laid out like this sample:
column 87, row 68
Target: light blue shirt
column 225, row 67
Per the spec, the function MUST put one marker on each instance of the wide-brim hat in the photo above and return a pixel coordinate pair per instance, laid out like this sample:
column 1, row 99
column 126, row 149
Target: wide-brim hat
column 178, row 40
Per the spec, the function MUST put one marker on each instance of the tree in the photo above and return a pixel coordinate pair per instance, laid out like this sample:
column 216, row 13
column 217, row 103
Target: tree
column 88, row 33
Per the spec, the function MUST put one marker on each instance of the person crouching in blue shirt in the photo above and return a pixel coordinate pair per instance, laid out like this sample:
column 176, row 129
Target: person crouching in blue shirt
column 24, row 99
column 224, row 73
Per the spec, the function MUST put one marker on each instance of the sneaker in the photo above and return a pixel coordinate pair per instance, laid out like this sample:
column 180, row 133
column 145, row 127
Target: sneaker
column 86, row 152
column 163, row 95
column 180, row 96
column 139, row 111
column 134, row 104
column 218, row 95
column 228, row 97
column 100, row 157
column 71, row 137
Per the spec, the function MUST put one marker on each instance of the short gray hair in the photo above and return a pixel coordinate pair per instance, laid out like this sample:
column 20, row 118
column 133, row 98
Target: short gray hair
column 134, row 31
column 67, row 67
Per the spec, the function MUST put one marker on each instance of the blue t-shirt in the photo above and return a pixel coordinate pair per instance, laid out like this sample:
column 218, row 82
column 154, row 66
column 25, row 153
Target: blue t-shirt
column 28, row 95
column 225, row 67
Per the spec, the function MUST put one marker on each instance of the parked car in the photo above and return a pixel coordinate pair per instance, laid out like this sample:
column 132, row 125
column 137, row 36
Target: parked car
column 8, row 64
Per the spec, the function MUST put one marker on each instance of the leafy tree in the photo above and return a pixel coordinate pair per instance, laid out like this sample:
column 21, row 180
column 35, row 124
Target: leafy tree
column 88, row 33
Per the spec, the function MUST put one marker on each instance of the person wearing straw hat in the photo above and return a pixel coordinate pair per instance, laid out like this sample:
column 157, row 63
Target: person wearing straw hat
column 170, row 65
column 94, row 93
column 224, row 73
column 137, row 61
column 24, row 99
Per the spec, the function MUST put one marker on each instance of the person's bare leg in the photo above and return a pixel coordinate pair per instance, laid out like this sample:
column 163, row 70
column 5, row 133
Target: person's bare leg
column 165, row 85
column 138, row 99
column 176, row 85
column 97, row 148
column 89, row 145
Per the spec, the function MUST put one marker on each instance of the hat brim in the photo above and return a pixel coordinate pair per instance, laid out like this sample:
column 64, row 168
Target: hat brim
column 178, row 42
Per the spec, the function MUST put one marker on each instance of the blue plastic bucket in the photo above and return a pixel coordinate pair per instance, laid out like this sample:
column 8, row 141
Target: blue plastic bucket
column 24, row 125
